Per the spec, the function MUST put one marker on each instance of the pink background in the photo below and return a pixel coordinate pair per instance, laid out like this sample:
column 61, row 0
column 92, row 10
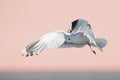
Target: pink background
column 23, row 21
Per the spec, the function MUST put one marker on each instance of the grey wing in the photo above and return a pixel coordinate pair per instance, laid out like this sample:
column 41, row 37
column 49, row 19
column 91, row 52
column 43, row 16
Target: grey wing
column 89, row 34
column 86, row 30
column 82, row 26
column 50, row 40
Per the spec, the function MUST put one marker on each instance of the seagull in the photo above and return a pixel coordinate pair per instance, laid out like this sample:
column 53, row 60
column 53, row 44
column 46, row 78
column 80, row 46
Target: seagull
column 62, row 39
column 82, row 26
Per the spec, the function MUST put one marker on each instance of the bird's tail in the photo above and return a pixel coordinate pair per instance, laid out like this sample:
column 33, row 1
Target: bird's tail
column 101, row 42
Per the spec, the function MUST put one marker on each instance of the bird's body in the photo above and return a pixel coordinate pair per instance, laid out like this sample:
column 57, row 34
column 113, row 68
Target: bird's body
column 78, row 37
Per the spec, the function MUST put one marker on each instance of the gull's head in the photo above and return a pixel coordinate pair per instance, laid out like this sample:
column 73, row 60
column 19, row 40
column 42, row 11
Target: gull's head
column 77, row 24
column 68, row 39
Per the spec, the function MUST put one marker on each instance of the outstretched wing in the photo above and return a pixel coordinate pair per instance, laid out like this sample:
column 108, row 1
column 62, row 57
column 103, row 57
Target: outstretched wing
column 84, row 27
column 50, row 40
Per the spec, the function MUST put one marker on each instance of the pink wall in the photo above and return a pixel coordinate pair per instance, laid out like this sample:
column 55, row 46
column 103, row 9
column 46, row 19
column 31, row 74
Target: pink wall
column 23, row 21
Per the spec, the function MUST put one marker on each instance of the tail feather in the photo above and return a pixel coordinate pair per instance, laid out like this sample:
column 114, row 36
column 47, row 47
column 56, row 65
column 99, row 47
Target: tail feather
column 101, row 42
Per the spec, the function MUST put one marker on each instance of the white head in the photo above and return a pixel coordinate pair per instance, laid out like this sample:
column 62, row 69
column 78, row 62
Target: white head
column 68, row 39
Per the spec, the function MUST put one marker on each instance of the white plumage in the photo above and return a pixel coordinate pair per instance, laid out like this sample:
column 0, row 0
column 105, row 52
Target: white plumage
column 80, row 35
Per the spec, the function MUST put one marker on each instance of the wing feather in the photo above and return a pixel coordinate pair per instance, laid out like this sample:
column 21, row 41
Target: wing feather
column 84, row 27
column 50, row 40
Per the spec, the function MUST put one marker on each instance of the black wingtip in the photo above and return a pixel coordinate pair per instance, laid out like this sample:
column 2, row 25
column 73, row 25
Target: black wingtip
column 31, row 54
column 94, row 52
column 27, row 55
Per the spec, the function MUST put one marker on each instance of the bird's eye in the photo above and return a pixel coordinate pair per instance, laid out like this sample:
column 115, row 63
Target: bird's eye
column 68, row 38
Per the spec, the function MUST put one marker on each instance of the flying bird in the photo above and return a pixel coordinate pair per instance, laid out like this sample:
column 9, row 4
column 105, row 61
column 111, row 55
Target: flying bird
column 80, row 35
